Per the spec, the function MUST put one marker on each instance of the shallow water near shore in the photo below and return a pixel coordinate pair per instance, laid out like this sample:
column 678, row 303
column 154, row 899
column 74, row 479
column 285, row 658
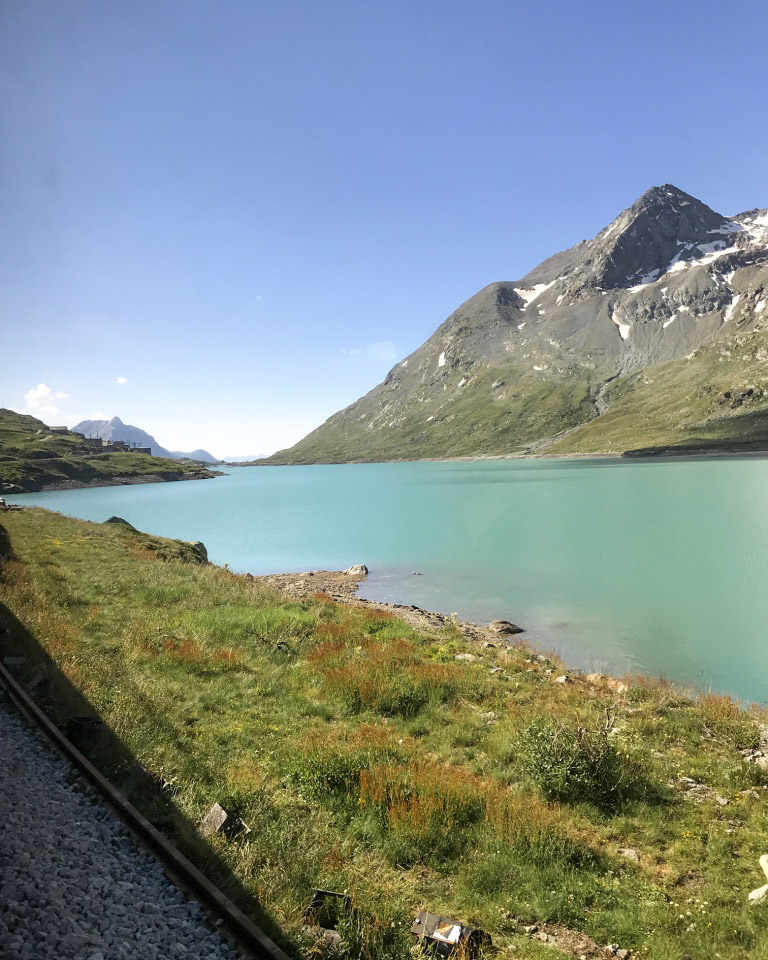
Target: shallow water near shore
column 619, row 566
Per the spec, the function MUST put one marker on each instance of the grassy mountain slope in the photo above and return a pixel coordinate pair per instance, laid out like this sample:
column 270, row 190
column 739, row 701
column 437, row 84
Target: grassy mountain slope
column 715, row 400
column 31, row 458
column 467, row 421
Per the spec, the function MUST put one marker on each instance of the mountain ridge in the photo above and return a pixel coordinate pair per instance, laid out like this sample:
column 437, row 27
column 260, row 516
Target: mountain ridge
column 539, row 362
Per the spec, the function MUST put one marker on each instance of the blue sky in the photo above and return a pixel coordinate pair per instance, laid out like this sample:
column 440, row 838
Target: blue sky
column 248, row 211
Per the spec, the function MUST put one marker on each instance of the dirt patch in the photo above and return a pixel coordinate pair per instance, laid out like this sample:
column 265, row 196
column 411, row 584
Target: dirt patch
column 571, row 942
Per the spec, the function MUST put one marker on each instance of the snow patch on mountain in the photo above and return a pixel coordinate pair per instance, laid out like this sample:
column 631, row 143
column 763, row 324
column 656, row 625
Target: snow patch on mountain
column 536, row 291
column 731, row 307
column 757, row 229
column 624, row 328
column 732, row 226
column 644, row 281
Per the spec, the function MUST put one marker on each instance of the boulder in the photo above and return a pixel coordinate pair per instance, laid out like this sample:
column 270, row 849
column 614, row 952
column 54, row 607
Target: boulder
column 214, row 820
column 600, row 679
column 504, row 627
column 120, row 520
column 357, row 570
column 630, row 853
column 11, row 488
column 200, row 551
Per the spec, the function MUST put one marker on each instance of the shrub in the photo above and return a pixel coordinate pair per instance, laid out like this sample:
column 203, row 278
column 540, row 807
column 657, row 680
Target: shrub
column 576, row 764
column 723, row 719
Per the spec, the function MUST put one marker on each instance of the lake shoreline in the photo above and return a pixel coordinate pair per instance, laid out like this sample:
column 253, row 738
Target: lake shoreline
column 625, row 456
column 13, row 489
column 343, row 588
column 124, row 481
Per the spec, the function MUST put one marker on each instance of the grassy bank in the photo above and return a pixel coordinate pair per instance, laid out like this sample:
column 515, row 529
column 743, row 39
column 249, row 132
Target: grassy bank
column 365, row 757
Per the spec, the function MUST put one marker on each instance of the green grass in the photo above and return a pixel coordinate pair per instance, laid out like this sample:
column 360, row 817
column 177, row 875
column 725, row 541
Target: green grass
column 697, row 403
column 366, row 758
column 31, row 457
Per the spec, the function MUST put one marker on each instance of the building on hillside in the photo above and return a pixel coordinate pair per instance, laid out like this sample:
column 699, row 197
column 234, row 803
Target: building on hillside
column 123, row 446
column 115, row 446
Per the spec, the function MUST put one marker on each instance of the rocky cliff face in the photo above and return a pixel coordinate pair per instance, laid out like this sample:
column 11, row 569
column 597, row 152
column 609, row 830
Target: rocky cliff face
column 670, row 293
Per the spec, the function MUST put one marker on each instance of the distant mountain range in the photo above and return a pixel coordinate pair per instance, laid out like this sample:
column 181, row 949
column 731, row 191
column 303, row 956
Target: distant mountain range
column 245, row 459
column 652, row 335
column 115, row 429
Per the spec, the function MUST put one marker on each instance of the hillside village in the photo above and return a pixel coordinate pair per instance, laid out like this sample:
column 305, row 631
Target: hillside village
column 100, row 443
column 35, row 456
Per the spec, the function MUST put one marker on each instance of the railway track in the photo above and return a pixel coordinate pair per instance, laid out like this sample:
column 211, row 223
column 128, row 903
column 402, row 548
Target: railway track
column 251, row 942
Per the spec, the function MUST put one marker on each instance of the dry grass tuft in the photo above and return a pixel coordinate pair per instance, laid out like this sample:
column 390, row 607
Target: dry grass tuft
column 389, row 678
column 724, row 718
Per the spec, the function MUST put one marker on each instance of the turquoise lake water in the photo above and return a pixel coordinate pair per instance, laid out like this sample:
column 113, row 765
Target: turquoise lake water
column 656, row 567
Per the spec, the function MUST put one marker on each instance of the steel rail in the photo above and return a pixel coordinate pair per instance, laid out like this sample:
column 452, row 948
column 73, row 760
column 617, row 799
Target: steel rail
column 179, row 870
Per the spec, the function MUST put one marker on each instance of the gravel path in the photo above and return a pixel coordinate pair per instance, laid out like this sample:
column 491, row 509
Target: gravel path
column 74, row 884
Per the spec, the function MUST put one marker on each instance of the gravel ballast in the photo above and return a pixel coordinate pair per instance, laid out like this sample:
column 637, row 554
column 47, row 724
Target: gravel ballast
column 74, row 883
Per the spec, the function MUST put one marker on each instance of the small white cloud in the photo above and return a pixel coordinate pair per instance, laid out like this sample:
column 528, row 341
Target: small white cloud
column 383, row 350
column 38, row 395
column 38, row 400
column 61, row 396
column 122, row 380
column 99, row 415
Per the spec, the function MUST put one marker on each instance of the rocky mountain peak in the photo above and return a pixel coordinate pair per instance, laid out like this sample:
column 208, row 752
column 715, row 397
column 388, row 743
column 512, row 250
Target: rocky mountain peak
column 644, row 239
column 674, row 210
column 665, row 195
